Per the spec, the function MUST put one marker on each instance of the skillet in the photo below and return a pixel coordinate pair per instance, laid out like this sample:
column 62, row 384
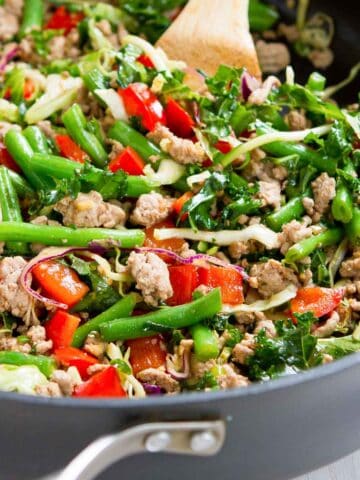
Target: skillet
column 271, row 431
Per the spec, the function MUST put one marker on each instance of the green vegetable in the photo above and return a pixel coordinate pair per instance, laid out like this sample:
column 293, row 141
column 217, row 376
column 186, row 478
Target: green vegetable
column 167, row 318
column 62, row 236
column 353, row 227
column 21, row 186
column 261, row 16
column 342, row 205
column 75, row 123
column 293, row 210
column 46, row 365
column 37, row 140
column 123, row 308
column 33, row 16
column 10, row 208
column 205, row 342
column 316, row 82
column 305, row 247
column 338, row 347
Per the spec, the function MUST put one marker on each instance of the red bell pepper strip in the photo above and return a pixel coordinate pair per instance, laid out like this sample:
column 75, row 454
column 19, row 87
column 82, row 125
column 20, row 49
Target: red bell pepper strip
column 139, row 101
column 61, row 328
column 184, row 279
column 28, row 90
column 103, row 384
column 223, row 146
column 174, row 244
column 69, row 149
column 179, row 204
column 148, row 352
column 74, row 357
column 62, row 19
column 319, row 301
column 178, row 120
column 7, row 160
column 228, row 279
column 129, row 161
column 60, row 282
column 146, row 61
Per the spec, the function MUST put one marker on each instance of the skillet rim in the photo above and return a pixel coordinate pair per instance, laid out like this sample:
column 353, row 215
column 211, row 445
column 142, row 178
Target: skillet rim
column 258, row 389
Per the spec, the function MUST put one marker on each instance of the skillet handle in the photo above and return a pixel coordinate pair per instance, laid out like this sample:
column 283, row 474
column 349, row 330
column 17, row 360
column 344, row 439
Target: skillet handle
column 202, row 438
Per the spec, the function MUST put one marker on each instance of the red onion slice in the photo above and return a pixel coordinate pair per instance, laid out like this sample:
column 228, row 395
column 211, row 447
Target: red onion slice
column 151, row 389
column 185, row 368
column 7, row 58
column 248, row 85
column 193, row 258
column 51, row 253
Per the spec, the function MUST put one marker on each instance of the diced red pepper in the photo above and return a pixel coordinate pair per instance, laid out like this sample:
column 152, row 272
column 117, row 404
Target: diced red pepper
column 129, row 161
column 228, row 279
column 146, row 61
column 319, row 301
column 7, row 160
column 61, row 328
column 69, row 149
column 60, row 282
column 140, row 102
column 74, row 357
column 103, row 384
column 179, row 204
column 62, row 19
column 148, row 352
column 184, row 280
column 29, row 89
column 174, row 244
column 178, row 120
column 223, row 146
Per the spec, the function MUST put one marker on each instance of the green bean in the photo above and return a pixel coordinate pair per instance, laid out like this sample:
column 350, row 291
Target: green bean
column 126, row 135
column 21, row 186
column 33, row 16
column 36, row 138
column 95, row 80
column 163, row 319
column 122, row 308
column 65, row 236
column 261, row 17
column 46, row 365
column 10, row 208
column 342, row 205
column 205, row 342
column 305, row 247
column 22, row 153
column 306, row 155
column 353, row 227
column 293, row 210
column 75, row 123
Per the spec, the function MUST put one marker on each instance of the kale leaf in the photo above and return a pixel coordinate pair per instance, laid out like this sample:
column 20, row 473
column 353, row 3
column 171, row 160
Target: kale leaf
column 339, row 347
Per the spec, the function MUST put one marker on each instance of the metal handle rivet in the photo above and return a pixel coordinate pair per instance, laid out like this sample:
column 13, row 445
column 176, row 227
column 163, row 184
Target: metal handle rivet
column 202, row 441
column 156, row 442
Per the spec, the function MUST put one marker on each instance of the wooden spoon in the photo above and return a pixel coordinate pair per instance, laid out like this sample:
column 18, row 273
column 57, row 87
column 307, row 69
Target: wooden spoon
column 208, row 33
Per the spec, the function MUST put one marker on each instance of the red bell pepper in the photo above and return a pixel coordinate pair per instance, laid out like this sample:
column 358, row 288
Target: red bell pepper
column 69, row 149
column 228, row 279
column 174, row 244
column 223, row 146
column 7, row 160
column 179, row 204
column 60, row 282
column 129, row 161
column 139, row 101
column 146, row 61
column 103, row 384
column 62, row 19
column 178, row 120
column 319, row 301
column 184, row 279
column 28, row 90
column 61, row 328
column 74, row 357
column 148, row 352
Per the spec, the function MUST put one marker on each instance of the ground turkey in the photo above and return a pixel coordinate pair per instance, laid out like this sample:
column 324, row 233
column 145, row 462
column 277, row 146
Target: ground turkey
column 89, row 210
column 153, row 376
column 351, row 268
column 271, row 277
column 293, row 232
column 151, row 208
column 9, row 23
column 324, row 189
column 13, row 298
column 181, row 150
column 152, row 277
column 273, row 57
column 270, row 194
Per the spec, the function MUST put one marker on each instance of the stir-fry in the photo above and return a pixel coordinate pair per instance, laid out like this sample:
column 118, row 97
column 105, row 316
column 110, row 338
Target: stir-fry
column 163, row 231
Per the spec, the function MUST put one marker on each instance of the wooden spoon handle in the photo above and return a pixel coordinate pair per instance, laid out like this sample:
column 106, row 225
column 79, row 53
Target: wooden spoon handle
column 209, row 33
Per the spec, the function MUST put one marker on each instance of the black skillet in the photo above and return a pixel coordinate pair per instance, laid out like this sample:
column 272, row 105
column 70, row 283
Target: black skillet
column 272, row 431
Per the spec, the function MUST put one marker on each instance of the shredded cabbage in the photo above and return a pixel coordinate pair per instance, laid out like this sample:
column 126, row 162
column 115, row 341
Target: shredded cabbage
column 114, row 103
column 225, row 237
column 21, row 379
column 168, row 172
column 60, row 94
column 157, row 57
column 262, row 305
column 8, row 111
column 97, row 38
column 198, row 178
